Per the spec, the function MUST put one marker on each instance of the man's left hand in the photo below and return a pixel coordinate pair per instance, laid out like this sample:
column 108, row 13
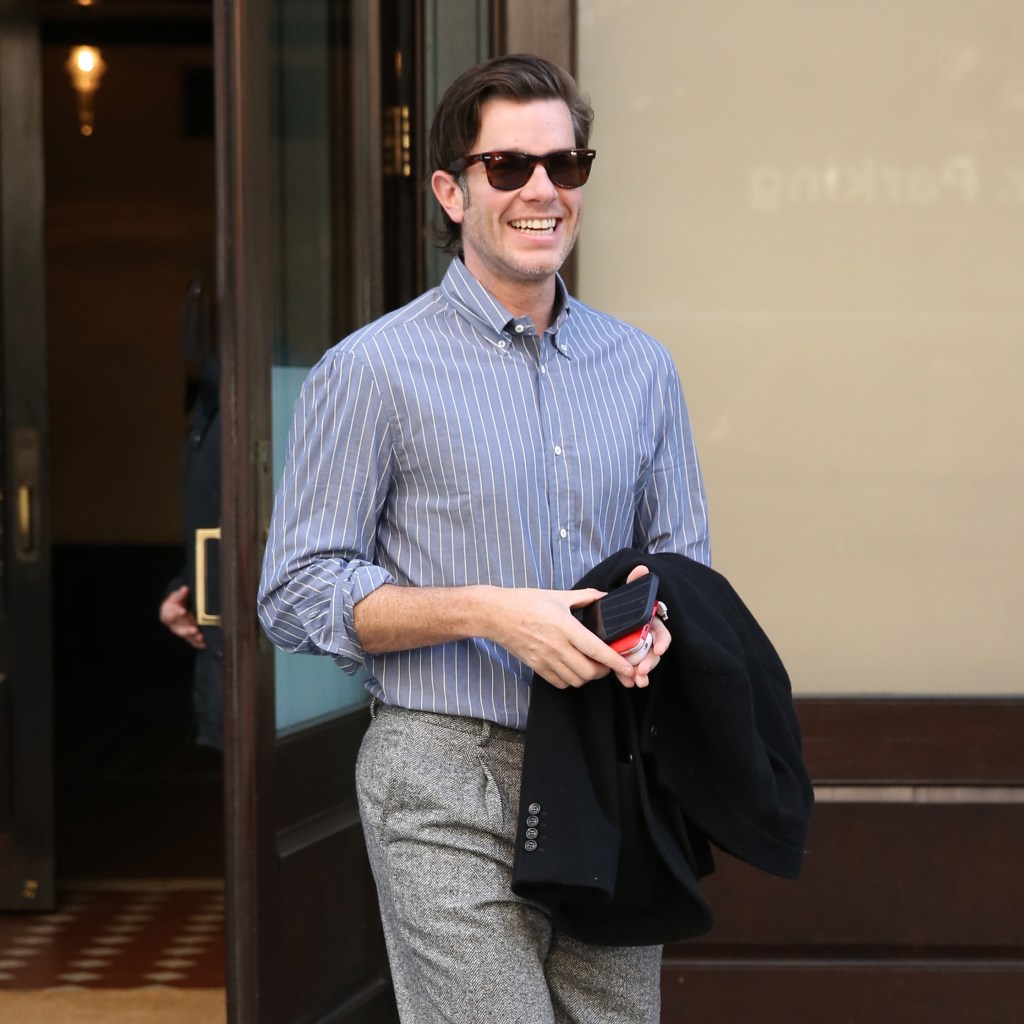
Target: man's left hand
column 662, row 639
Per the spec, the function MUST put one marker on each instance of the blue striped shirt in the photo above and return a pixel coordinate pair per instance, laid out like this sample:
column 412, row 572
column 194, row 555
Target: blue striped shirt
column 445, row 445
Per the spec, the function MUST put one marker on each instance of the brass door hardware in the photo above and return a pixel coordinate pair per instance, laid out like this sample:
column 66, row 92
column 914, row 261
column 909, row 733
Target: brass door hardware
column 25, row 451
column 204, row 617
column 396, row 138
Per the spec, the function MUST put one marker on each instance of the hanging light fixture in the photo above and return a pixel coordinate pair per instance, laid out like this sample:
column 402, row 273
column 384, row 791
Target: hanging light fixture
column 86, row 67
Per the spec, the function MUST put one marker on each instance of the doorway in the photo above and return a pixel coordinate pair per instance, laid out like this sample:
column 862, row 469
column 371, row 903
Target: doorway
column 130, row 220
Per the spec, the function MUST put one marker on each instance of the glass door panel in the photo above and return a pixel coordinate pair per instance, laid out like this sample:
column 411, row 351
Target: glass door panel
column 321, row 96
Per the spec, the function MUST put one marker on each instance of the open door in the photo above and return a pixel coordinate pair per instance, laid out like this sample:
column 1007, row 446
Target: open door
column 26, row 683
column 320, row 111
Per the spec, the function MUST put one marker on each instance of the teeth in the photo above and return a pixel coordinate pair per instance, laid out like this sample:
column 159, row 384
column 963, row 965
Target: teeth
column 545, row 224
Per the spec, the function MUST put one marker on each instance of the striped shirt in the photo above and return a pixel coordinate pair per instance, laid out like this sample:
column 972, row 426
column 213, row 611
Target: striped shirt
column 447, row 444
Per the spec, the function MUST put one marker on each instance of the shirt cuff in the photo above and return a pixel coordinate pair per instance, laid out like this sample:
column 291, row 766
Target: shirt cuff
column 361, row 580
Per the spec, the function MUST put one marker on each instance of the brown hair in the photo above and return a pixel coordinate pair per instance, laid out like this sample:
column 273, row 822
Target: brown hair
column 520, row 77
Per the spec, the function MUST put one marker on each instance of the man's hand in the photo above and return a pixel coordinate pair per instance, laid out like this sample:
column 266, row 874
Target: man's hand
column 176, row 616
column 538, row 627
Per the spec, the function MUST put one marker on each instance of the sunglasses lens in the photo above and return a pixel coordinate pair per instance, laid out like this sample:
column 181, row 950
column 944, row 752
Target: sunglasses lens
column 509, row 170
column 569, row 170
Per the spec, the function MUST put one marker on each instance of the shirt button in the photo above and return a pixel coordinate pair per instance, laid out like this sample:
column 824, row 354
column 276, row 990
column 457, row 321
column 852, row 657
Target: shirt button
column 563, row 533
column 534, row 808
column 558, row 449
column 544, row 370
column 501, row 343
column 520, row 328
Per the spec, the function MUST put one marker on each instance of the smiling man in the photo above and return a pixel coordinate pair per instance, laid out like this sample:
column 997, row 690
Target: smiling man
column 453, row 469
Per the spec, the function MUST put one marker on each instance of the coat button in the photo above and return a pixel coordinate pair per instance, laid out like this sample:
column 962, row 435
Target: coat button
column 532, row 833
column 533, row 820
column 530, row 845
column 534, row 808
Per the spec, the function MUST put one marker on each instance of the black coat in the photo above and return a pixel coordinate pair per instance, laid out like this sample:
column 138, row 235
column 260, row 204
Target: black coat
column 625, row 790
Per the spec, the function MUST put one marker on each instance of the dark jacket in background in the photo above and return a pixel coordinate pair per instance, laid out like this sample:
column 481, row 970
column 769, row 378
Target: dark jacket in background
column 200, row 506
column 625, row 790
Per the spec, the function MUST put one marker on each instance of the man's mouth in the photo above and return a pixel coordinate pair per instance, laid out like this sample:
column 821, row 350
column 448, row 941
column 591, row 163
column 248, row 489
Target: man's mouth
column 535, row 225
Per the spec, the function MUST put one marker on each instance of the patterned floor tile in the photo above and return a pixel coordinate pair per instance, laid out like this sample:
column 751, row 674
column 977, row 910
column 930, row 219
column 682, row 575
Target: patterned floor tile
column 118, row 937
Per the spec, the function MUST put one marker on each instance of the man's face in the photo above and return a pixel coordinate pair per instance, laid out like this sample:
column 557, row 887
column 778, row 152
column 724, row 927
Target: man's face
column 520, row 237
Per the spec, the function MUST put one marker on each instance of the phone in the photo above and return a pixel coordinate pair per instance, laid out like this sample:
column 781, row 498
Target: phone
column 623, row 617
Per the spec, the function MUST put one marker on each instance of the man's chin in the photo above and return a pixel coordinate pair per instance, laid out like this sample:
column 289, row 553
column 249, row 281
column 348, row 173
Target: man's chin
column 540, row 269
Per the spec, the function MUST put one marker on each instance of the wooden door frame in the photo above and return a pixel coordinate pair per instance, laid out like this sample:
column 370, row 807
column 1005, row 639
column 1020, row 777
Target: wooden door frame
column 243, row 309
column 27, row 863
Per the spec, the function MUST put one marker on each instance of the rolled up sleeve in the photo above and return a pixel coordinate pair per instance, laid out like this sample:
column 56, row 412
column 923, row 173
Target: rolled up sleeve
column 672, row 514
column 319, row 561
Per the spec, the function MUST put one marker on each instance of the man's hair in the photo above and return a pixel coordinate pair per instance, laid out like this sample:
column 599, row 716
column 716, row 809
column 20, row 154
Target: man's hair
column 521, row 77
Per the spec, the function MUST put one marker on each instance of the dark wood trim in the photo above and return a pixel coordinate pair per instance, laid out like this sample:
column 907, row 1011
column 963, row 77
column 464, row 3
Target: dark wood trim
column 879, row 992
column 905, row 912
column 135, row 32
column 544, row 27
column 244, row 288
column 548, row 29
column 308, row 751
column 27, row 869
column 909, row 879
column 904, row 740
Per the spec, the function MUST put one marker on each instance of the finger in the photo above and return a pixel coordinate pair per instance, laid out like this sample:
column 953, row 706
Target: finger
column 628, row 681
column 581, row 598
column 644, row 670
column 662, row 637
column 598, row 651
column 636, row 572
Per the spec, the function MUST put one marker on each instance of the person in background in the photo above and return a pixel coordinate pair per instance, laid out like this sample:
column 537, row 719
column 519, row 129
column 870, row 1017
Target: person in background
column 200, row 510
column 453, row 469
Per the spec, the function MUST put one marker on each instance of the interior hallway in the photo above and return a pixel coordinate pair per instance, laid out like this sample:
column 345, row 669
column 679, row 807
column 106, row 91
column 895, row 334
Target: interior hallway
column 139, row 808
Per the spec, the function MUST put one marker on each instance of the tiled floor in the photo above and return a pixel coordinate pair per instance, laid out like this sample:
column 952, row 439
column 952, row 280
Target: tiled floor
column 138, row 809
column 110, row 934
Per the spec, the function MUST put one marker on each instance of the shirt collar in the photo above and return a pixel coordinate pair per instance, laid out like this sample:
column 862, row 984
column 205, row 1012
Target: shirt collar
column 470, row 297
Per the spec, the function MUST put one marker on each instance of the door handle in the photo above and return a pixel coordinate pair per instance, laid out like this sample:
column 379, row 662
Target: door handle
column 26, row 458
column 204, row 617
column 26, row 520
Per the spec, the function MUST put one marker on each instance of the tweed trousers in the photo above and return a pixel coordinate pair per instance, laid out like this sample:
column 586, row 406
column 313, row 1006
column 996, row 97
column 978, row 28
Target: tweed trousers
column 439, row 798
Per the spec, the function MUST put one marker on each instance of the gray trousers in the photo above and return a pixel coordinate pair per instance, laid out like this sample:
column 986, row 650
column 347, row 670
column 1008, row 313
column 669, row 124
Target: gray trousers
column 439, row 798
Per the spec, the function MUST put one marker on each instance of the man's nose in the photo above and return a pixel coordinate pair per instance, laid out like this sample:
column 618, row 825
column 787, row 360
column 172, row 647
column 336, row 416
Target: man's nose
column 539, row 183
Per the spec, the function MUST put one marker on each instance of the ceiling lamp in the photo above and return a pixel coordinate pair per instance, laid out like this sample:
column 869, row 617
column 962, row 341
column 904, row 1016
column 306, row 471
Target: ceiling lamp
column 86, row 67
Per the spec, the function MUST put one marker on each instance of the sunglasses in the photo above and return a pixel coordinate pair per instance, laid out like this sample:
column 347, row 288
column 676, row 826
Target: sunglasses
column 568, row 168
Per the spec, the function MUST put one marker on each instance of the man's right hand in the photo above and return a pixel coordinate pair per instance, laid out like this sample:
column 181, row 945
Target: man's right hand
column 178, row 618
column 535, row 626
column 538, row 627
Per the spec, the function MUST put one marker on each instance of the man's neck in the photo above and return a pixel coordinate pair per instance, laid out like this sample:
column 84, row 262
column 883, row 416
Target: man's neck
column 535, row 299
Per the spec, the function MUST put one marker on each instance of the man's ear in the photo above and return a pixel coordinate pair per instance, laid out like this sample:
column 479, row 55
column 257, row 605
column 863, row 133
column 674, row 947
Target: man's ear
column 449, row 194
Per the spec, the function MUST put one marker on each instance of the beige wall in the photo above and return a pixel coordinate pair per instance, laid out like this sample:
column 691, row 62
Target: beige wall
column 819, row 208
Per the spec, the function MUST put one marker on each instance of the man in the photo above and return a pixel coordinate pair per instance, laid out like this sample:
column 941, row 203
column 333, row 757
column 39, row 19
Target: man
column 453, row 469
